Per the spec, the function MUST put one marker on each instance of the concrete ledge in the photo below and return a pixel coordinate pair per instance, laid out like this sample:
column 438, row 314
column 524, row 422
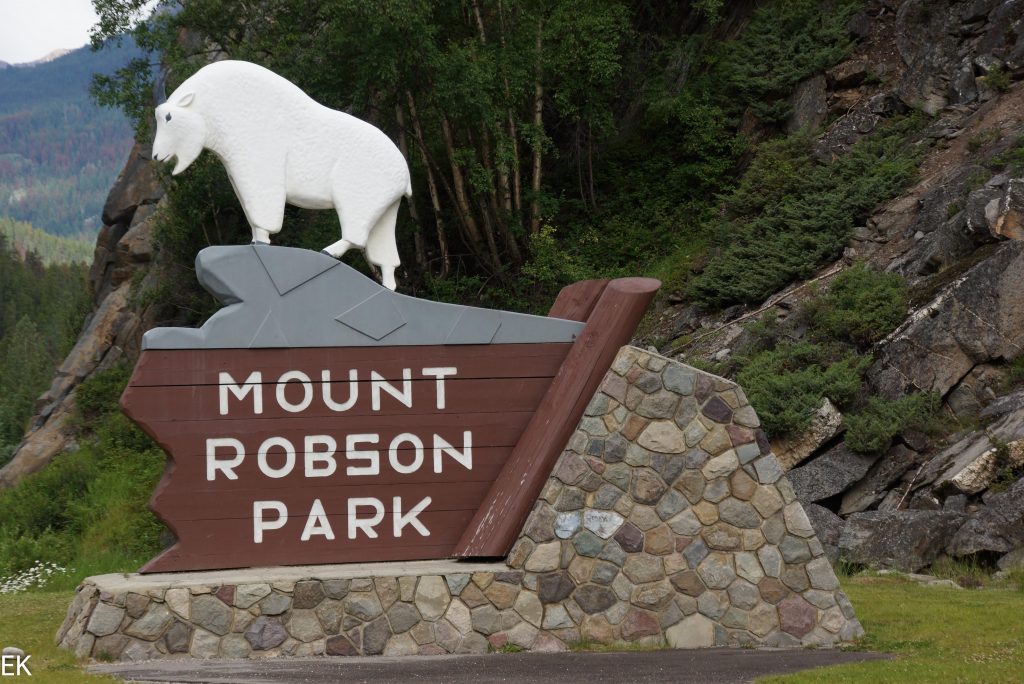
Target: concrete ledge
column 117, row 583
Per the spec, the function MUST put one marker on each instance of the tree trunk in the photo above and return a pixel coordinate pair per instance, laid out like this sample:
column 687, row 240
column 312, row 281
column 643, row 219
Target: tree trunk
column 514, row 196
column 469, row 224
column 421, row 248
column 435, row 199
column 590, row 166
column 500, row 218
column 538, row 123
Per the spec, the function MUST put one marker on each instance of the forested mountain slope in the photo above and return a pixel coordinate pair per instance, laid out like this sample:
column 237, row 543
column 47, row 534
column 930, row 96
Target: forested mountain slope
column 831, row 191
column 59, row 150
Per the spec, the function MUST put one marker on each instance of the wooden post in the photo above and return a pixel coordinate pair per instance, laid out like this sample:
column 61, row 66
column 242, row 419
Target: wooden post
column 507, row 504
column 576, row 301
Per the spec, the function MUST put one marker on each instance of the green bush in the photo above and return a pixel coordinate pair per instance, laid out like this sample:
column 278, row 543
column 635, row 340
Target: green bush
column 98, row 395
column 871, row 429
column 792, row 213
column 87, row 509
column 785, row 43
column 999, row 79
column 788, row 383
column 862, row 306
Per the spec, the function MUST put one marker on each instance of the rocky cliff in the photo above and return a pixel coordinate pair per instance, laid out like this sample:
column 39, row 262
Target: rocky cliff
column 112, row 332
column 954, row 236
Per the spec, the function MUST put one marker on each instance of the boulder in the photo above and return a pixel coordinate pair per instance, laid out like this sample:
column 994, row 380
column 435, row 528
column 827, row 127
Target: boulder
column 879, row 479
column 829, row 528
column 1003, row 405
column 902, row 540
column 1013, row 560
column 976, row 390
column 976, row 319
column 998, row 527
column 848, row 74
column 962, row 87
column 829, row 474
column 970, row 465
column 1008, row 221
column 809, row 103
column 826, row 423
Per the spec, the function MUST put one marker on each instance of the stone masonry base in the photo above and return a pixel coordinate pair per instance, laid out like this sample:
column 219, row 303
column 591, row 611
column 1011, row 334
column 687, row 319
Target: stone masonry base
column 666, row 521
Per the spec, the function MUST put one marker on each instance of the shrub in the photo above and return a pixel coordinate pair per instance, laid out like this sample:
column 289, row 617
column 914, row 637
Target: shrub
column 792, row 213
column 87, row 509
column 785, row 43
column 998, row 79
column 98, row 395
column 550, row 267
column 871, row 429
column 862, row 306
column 788, row 383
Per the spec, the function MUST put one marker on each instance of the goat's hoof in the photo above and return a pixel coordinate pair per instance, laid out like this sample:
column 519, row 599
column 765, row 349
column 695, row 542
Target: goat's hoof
column 257, row 242
column 324, row 251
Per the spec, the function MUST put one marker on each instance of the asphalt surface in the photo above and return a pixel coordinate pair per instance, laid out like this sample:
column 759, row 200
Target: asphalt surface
column 713, row 666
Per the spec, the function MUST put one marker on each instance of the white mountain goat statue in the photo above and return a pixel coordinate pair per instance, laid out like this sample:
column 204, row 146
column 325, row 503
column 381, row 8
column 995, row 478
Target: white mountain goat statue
column 279, row 145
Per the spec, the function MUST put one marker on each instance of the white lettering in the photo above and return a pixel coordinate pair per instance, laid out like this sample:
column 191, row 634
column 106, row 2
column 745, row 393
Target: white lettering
column 251, row 384
column 307, row 391
column 317, row 523
column 326, row 457
column 353, row 390
column 13, row 665
column 465, row 457
column 226, row 466
column 400, row 521
column 366, row 524
column 417, row 460
column 259, row 525
column 378, row 383
column 440, row 373
column 289, row 457
column 351, row 441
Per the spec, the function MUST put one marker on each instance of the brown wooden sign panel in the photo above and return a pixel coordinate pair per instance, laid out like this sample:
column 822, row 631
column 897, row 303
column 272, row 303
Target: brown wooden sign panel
column 288, row 456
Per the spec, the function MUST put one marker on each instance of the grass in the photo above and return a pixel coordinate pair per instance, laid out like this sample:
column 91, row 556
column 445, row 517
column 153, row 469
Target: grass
column 30, row 621
column 935, row 634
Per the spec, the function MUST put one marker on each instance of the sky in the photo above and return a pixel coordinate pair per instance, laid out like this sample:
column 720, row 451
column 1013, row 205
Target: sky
column 29, row 29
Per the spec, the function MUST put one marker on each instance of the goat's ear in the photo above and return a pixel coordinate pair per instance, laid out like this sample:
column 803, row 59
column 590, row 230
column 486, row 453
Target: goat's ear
column 186, row 99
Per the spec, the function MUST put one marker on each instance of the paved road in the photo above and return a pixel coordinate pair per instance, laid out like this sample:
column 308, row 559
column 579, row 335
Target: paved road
column 713, row 666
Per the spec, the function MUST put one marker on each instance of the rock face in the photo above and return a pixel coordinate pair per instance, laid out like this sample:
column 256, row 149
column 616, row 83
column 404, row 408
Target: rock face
column 703, row 544
column 956, row 239
column 810, row 105
column 904, row 540
column 829, row 474
column 979, row 318
column 826, row 423
column 999, row 527
column 114, row 329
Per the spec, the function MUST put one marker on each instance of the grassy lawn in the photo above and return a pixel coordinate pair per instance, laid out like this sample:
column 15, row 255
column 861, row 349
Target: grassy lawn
column 30, row 621
column 936, row 634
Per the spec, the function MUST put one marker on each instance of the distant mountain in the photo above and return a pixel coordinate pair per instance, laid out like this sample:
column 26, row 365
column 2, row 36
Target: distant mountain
column 48, row 57
column 59, row 151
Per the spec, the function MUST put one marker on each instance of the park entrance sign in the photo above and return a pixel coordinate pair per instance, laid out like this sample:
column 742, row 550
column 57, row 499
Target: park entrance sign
column 321, row 418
